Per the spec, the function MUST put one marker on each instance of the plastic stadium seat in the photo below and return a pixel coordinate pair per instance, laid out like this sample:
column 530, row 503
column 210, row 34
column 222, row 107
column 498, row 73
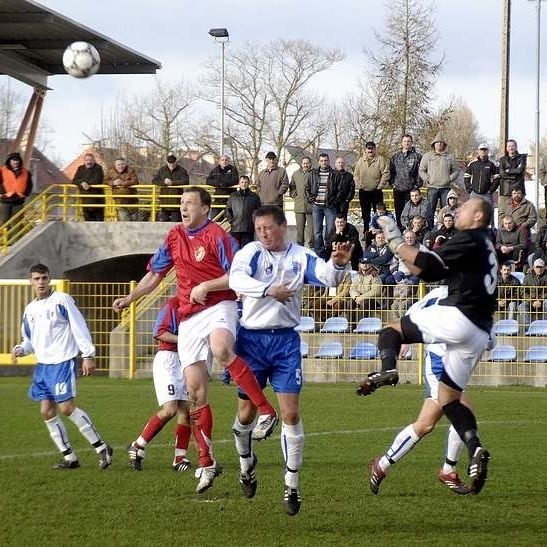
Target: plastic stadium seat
column 536, row 354
column 506, row 327
column 335, row 324
column 369, row 325
column 363, row 350
column 304, row 349
column 537, row 328
column 307, row 324
column 330, row 350
column 519, row 276
column 503, row 353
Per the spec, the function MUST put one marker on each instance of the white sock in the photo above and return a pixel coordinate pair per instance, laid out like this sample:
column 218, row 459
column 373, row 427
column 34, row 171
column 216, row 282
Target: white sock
column 454, row 446
column 83, row 422
column 292, row 445
column 141, row 442
column 243, row 442
column 59, row 435
column 403, row 443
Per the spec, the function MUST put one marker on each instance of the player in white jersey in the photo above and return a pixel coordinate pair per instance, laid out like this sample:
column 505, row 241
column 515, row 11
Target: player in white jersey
column 55, row 331
column 270, row 275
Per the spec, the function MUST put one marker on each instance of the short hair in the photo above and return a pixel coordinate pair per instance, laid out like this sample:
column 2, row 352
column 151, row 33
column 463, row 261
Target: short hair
column 407, row 135
column 271, row 210
column 39, row 268
column 448, row 215
column 381, row 205
column 323, row 155
column 246, row 178
column 204, row 196
column 487, row 210
column 305, row 158
column 121, row 158
column 341, row 215
column 415, row 190
column 510, row 217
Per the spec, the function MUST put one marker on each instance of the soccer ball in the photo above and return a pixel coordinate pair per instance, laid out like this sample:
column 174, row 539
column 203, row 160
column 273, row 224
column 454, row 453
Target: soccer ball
column 81, row 60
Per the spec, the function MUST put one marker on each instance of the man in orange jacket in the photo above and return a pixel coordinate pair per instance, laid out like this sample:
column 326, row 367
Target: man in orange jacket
column 15, row 186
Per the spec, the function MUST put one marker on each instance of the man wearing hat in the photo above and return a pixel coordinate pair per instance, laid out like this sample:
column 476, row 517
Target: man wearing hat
column 272, row 182
column 533, row 291
column 438, row 170
column 481, row 174
column 371, row 175
column 170, row 178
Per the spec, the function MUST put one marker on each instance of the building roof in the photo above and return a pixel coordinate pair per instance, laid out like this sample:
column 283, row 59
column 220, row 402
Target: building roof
column 34, row 37
column 297, row 153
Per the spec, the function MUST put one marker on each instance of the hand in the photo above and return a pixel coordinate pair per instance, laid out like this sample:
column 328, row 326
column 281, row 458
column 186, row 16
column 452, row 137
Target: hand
column 198, row 294
column 84, row 186
column 536, row 304
column 88, row 366
column 501, row 303
column 120, row 303
column 404, row 350
column 341, row 253
column 167, row 182
column 391, row 231
column 280, row 293
column 117, row 182
column 17, row 351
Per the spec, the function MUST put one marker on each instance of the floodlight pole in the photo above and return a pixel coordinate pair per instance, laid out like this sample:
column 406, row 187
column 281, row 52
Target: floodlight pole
column 221, row 36
column 538, row 79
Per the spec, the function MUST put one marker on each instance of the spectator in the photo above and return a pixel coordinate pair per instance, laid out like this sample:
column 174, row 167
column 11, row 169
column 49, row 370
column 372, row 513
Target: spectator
column 438, row 170
column 512, row 169
column 344, row 231
column 534, row 286
column 323, row 195
column 123, row 180
column 523, row 212
column 88, row 177
column 508, row 291
column 416, row 205
column 511, row 243
column 15, row 186
column 381, row 210
column 541, row 252
column 379, row 254
column 403, row 175
column 443, row 233
column 401, row 272
column 224, row 179
column 543, row 176
column 346, row 185
column 239, row 212
column 329, row 305
column 450, row 208
column 481, row 174
column 365, row 291
column 170, row 178
column 272, row 182
column 420, row 228
column 302, row 209
column 371, row 176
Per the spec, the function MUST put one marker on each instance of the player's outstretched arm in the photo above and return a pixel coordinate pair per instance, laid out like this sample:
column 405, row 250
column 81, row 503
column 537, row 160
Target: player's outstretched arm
column 146, row 285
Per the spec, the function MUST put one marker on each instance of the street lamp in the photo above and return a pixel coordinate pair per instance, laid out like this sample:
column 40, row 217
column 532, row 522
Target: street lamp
column 222, row 37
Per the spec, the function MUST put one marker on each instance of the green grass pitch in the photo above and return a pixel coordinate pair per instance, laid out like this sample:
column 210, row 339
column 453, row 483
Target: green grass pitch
column 41, row 506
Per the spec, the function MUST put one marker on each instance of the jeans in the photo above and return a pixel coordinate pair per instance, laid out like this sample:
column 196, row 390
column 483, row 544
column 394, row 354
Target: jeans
column 367, row 200
column 434, row 195
column 320, row 212
column 304, row 229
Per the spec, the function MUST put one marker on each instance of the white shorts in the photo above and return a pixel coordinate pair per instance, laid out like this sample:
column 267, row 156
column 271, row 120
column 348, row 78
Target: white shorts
column 168, row 378
column 465, row 342
column 193, row 339
column 433, row 368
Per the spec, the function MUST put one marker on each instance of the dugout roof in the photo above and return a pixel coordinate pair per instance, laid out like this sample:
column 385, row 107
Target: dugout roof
column 34, row 37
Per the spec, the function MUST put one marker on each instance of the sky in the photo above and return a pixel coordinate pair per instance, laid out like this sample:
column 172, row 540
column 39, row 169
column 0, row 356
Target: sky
column 175, row 32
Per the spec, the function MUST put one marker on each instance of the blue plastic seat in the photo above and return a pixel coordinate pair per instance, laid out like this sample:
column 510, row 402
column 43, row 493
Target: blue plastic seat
column 363, row 350
column 369, row 325
column 537, row 328
column 335, row 324
column 307, row 324
column 536, row 354
column 507, row 327
column 330, row 350
column 503, row 353
column 304, row 349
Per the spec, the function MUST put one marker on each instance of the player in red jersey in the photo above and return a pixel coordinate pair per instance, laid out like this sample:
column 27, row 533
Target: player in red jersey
column 201, row 253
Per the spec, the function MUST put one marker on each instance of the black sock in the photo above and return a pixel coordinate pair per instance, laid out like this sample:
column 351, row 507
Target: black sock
column 465, row 424
column 389, row 346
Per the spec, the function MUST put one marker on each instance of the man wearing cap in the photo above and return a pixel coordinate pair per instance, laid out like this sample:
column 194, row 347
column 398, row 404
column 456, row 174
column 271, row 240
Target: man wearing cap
column 533, row 291
column 438, row 170
column 272, row 182
column 371, row 175
column 170, row 178
column 481, row 174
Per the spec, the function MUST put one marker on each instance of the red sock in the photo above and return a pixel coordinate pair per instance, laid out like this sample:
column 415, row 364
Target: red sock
column 152, row 428
column 243, row 376
column 182, row 436
column 202, row 427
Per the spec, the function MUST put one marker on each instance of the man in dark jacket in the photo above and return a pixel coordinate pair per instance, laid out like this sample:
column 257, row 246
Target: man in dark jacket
column 171, row 178
column 223, row 178
column 239, row 211
column 403, row 175
column 346, row 184
column 87, row 178
column 481, row 174
column 15, row 186
column 344, row 231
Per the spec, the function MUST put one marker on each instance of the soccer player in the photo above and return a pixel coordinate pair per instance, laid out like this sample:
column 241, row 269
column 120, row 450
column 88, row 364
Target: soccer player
column 427, row 419
column 270, row 275
column 462, row 321
column 201, row 253
column 170, row 392
column 55, row 331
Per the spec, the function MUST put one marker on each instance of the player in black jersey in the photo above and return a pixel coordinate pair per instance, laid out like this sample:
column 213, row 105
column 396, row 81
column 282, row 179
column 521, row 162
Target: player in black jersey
column 462, row 320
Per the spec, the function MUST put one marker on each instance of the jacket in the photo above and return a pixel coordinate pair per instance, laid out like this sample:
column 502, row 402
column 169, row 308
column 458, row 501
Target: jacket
column 365, row 286
column 91, row 175
column 15, row 186
column 239, row 210
column 129, row 178
column 178, row 175
column 350, row 234
column 524, row 213
column 404, row 170
column 512, row 171
column 438, row 170
column 479, row 176
column 381, row 257
column 220, row 179
column 346, row 187
column 534, row 285
column 271, row 186
column 423, row 208
column 297, row 191
column 371, row 175
column 333, row 199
